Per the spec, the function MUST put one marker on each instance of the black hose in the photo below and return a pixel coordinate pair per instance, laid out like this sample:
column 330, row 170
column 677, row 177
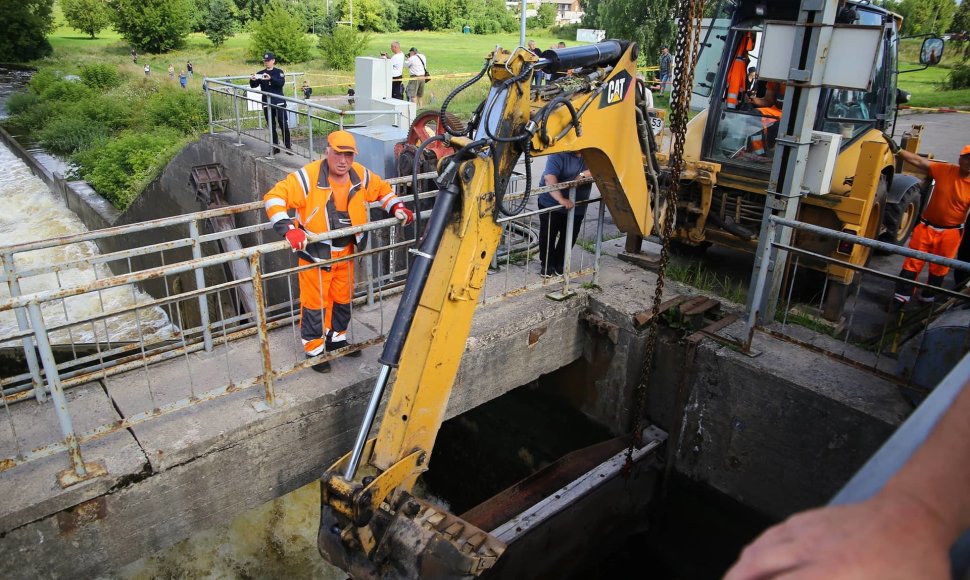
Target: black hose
column 418, row 157
column 548, row 109
column 454, row 93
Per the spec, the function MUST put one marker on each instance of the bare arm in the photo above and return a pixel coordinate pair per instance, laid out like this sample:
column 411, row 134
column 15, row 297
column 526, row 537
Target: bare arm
column 557, row 194
column 904, row 531
column 915, row 160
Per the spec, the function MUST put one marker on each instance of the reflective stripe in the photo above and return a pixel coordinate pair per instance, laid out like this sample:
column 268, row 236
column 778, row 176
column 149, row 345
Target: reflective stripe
column 280, row 215
column 272, row 202
column 338, row 336
column 304, row 180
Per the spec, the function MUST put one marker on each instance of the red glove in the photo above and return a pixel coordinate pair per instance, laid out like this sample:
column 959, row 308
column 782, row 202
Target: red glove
column 297, row 238
column 402, row 213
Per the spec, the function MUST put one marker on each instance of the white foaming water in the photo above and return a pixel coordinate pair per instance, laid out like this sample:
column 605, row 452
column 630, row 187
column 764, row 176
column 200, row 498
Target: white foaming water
column 34, row 213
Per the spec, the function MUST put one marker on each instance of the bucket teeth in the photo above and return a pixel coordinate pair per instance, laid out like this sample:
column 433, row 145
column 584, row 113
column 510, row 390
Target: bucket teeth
column 452, row 531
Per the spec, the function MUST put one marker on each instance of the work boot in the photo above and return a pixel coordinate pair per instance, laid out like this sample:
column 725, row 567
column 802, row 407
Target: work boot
column 323, row 367
column 333, row 345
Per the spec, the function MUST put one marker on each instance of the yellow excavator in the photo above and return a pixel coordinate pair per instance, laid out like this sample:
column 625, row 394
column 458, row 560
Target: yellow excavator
column 372, row 525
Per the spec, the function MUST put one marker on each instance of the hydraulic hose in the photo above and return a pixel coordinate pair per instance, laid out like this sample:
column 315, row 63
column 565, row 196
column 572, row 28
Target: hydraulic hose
column 418, row 155
column 454, row 93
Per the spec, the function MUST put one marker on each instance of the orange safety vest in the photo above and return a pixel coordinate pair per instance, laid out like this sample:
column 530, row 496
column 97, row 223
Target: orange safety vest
column 737, row 79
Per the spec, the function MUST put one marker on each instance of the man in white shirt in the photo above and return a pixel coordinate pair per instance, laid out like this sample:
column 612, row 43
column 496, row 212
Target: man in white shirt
column 397, row 70
column 418, row 70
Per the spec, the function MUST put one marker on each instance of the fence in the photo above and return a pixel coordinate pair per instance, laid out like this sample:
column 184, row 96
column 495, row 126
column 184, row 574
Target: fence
column 207, row 300
column 872, row 332
column 237, row 108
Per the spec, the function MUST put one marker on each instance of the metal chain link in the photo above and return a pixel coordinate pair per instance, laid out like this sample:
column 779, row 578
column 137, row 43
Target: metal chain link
column 687, row 47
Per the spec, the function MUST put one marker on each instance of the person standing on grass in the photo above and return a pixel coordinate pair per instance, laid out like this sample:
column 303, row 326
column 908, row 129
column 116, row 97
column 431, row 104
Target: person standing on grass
column 134, row 56
column 188, row 67
column 418, row 70
column 183, row 79
column 148, row 70
column 666, row 67
column 171, row 72
column 397, row 70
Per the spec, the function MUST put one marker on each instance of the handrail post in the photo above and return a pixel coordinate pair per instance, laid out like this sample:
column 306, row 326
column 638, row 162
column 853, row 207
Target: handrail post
column 600, row 218
column 261, row 325
column 570, row 225
column 235, row 106
column 309, row 124
column 57, row 392
column 200, row 284
column 762, row 263
column 208, row 99
column 13, row 284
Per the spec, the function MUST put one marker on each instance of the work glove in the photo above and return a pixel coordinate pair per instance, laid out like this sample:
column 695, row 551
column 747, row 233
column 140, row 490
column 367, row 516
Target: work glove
column 297, row 238
column 893, row 147
column 402, row 213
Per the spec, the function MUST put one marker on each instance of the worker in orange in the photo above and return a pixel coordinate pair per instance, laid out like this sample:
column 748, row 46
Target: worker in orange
column 327, row 195
column 769, row 106
column 737, row 78
column 940, row 226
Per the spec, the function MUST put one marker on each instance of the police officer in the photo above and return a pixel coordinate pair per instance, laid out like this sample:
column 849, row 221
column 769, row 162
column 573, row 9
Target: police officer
column 271, row 80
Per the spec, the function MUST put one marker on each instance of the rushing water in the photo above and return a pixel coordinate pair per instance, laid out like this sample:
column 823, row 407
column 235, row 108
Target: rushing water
column 35, row 213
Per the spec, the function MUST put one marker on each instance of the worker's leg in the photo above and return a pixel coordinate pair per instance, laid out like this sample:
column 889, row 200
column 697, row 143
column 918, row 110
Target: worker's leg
column 963, row 254
column 284, row 124
column 270, row 113
column 921, row 240
column 947, row 245
column 313, row 283
column 341, row 295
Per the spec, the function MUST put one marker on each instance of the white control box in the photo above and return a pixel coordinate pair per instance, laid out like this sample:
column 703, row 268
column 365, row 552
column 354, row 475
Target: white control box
column 823, row 154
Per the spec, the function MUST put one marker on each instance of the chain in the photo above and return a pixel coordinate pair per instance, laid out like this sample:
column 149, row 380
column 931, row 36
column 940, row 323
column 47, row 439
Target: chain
column 687, row 49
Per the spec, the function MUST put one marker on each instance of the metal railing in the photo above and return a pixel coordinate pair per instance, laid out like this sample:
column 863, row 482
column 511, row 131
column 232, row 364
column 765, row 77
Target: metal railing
column 870, row 332
column 237, row 108
column 198, row 308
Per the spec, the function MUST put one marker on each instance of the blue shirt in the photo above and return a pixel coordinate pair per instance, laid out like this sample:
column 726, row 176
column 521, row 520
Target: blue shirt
column 565, row 167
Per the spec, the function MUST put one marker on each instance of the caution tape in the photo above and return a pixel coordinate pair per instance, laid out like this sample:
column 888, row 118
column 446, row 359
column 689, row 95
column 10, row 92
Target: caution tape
column 934, row 109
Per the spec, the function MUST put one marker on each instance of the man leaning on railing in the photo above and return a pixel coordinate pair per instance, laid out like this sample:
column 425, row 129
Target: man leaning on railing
column 327, row 195
column 271, row 80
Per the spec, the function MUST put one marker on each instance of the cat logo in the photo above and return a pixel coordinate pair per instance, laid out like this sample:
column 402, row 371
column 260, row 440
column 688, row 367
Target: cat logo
column 617, row 88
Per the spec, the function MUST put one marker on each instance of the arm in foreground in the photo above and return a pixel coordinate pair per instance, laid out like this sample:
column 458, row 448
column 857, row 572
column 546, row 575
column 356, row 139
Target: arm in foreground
column 904, row 531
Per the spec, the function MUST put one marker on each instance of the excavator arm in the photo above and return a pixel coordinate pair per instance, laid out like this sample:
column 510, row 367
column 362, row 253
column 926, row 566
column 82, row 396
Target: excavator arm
column 371, row 524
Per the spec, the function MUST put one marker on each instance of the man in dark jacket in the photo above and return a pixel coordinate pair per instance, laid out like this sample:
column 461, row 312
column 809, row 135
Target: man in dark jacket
column 271, row 80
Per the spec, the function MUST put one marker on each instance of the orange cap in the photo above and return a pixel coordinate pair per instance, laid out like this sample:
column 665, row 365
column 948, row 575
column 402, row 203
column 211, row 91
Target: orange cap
column 342, row 142
column 965, row 151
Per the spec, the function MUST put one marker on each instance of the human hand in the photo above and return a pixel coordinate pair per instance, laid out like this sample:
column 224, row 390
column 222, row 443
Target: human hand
column 297, row 238
column 567, row 204
column 402, row 213
column 265, row 77
column 893, row 146
column 892, row 535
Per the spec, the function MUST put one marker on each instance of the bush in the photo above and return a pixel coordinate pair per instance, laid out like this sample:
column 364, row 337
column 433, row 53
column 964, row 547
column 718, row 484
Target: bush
column 65, row 135
column 102, row 76
column 25, row 25
column 343, row 46
column 565, row 32
column 959, row 77
column 122, row 167
column 280, row 32
column 18, row 103
column 181, row 110
column 66, row 91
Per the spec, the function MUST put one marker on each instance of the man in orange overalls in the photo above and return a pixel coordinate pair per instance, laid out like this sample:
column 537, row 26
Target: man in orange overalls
column 328, row 195
column 940, row 226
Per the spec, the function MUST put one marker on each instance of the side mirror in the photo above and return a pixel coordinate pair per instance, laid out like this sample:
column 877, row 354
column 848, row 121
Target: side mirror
column 931, row 52
column 902, row 97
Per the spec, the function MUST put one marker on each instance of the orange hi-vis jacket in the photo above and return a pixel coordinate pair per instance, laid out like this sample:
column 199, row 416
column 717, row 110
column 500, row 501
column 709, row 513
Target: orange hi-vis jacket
column 309, row 192
column 948, row 206
column 737, row 79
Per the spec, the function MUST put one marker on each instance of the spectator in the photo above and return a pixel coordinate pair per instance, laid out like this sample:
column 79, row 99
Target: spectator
column 271, row 80
column 537, row 76
column 183, row 79
column 560, row 167
column 188, row 67
column 752, row 77
column 171, row 72
column 940, row 226
column 351, row 96
column 647, row 93
column 418, row 70
column 327, row 194
column 134, row 56
column 148, row 70
column 666, row 69
column 397, row 70
column 307, row 90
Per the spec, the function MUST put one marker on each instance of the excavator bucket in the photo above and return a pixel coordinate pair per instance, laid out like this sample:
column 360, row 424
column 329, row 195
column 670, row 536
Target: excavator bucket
column 418, row 540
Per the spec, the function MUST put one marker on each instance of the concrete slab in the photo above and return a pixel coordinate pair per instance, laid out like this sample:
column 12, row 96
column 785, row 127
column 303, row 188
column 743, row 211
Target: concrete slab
column 31, row 491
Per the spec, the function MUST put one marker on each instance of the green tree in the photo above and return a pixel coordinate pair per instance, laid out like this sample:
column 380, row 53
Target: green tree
column 25, row 25
column 89, row 16
column 282, row 33
column 153, row 25
column 221, row 23
column 414, row 15
column 961, row 19
column 926, row 16
column 373, row 15
column 342, row 46
column 545, row 16
column 649, row 24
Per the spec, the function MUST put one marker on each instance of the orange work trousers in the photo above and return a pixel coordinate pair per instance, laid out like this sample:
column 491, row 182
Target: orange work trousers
column 942, row 242
column 325, row 302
